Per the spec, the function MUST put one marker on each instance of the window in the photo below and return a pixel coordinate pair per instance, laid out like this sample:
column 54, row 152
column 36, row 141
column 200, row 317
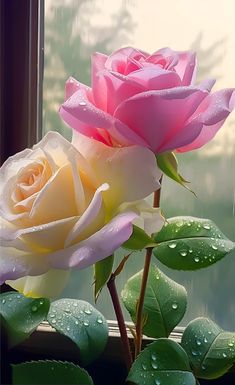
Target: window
column 75, row 29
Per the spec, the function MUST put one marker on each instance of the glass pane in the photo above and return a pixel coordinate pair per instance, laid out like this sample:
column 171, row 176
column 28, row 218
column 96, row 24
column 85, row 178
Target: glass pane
column 75, row 29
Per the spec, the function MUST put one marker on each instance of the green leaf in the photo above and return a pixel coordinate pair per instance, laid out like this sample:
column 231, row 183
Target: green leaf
column 163, row 362
column 50, row 373
column 138, row 240
column 167, row 162
column 164, row 304
column 102, row 273
column 22, row 315
column 210, row 349
column 188, row 243
column 82, row 323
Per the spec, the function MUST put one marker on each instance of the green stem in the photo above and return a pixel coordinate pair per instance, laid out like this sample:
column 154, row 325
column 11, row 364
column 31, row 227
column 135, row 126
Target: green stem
column 140, row 303
column 121, row 323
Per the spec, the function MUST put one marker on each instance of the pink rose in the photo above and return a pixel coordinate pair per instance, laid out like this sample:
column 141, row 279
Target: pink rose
column 148, row 100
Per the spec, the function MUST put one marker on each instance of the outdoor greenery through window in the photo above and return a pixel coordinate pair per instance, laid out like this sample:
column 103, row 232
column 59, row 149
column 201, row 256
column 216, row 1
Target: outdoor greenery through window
column 73, row 31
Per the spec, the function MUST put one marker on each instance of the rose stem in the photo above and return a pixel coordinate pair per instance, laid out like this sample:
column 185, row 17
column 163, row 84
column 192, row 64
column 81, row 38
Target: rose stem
column 140, row 303
column 121, row 323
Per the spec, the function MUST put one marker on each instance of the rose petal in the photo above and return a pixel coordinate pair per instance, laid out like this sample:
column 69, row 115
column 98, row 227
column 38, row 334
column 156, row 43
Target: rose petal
column 160, row 115
column 91, row 220
column 97, row 247
column 48, row 285
column 99, row 89
column 124, row 169
column 72, row 85
column 211, row 113
column 17, row 263
column 79, row 113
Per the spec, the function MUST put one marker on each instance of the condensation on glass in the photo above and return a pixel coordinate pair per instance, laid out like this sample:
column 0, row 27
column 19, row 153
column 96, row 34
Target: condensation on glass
column 75, row 29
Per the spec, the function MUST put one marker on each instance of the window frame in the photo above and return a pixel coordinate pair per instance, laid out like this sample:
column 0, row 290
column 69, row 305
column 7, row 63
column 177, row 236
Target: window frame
column 22, row 50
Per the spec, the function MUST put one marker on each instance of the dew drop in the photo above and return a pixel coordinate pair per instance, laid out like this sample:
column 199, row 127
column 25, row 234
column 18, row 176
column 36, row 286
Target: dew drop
column 231, row 344
column 53, row 321
column 209, row 332
column 196, row 259
column 183, row 253
column 3, row 301
column 157, row 382
column 154, row 356
column 190, row 251
column 34, row 308
column 224, row 355
column 68, row 328
column 67, row 311
column 194, row 353
column 207, row 227
column 205, row 340
column 203, row 367
column 52, row 315
column 214, row 247
column 75, row 304
column 82, row 103
column 172, row 245
column 87, row 311
column 99, row 320
column 144, row 367
column 41, row 302
column 174, row 306
column 198, row 342
column 76, row 322
column 86, row 323
column 154, row 365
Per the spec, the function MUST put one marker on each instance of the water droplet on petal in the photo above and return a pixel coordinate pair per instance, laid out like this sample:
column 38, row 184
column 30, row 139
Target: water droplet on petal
column 174, row 306
column 82, row 103
column 198, row 342
column 196, row 259
column 99, row 320
column 53, row 321
column 214, row 247
column 52, row 315
column 183, row 253
column 86, row 323
column 172, row 245
column 87, row 311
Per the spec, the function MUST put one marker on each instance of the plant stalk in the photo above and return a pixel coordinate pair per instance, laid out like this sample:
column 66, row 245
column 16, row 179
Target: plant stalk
column 140, row 303
column 121, row 323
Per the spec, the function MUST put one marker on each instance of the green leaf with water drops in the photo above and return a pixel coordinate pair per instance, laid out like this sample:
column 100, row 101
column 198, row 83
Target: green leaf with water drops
column 210, row 349
column 138, row 240
column 82, row 323
column 102, row 273
column 164, row 304
column 49, row 372
column 164, row 362
column 21, row 315
column 189, row 243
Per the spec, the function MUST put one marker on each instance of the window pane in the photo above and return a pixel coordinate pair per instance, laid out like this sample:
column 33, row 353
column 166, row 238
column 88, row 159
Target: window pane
column 75, row 29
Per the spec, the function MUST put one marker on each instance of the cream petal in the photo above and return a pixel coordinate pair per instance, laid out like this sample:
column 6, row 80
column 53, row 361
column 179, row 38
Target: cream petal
column 48, row 285
column 50, row 236
column 124, row 169
column 91, row 220
column 16, row 263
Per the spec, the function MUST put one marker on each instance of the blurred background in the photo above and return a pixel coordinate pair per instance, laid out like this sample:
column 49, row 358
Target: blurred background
column 73, row 31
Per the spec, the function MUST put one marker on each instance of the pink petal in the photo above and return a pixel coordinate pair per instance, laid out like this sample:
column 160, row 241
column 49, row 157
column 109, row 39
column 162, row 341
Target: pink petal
column 212, row 114
column 79, row 113
column 97, row 247
column 98, row 82
column 120, row 60
column 159, row 116
column 72, row 85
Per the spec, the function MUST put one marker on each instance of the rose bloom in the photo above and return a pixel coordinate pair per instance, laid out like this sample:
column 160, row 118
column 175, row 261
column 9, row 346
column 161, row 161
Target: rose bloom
column 149, row 100
column 59, row 211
